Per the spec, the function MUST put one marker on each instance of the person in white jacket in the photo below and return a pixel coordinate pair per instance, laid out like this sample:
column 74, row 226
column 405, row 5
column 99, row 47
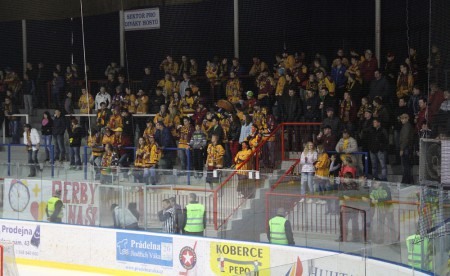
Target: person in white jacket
column 32, row 140
column 307, row 160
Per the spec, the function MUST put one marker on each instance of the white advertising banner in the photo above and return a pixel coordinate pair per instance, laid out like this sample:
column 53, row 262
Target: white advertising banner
column 26, row 199
column 144, row 19
column 121, row 252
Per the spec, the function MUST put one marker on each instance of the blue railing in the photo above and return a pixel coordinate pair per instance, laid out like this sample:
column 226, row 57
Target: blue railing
column 52, row 155
column 188, row 161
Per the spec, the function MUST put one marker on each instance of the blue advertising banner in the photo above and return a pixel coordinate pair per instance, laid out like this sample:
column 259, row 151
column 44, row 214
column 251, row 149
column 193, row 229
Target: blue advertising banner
column 145, row 249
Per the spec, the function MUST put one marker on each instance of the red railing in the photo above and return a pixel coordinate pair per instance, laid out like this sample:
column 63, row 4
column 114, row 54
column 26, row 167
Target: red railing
column 300, row 132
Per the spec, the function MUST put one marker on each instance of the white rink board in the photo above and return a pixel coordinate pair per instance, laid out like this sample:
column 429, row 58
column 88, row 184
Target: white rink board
column 114, row 251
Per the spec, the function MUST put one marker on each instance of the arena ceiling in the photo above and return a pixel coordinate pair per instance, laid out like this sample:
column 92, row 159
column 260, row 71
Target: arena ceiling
column 12, row 10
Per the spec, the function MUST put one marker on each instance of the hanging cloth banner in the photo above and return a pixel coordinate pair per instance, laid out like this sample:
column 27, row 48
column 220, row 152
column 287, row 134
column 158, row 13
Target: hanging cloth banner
column 143, row 19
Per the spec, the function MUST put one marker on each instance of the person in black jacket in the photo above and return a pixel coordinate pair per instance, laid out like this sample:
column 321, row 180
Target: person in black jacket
column 216, row 129
column 164, row 139
column 75, row 136
column 397, row 125
column 292, row 113
column 311, row 107
column 379, row 141
column 59, row 128
column 327, row 101
column 233, row 135
column 46, row 129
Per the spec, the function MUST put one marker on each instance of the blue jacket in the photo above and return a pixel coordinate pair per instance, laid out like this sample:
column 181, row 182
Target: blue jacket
column 338, row 76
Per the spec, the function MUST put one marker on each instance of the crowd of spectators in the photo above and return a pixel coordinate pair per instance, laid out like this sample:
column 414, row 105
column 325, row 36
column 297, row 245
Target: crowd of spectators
column 353, row 97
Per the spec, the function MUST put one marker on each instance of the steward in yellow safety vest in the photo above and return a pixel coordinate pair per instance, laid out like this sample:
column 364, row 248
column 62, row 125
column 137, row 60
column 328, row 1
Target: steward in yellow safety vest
column 54, row 208
column 195, row 217
column 419, row 252
column 280, row 230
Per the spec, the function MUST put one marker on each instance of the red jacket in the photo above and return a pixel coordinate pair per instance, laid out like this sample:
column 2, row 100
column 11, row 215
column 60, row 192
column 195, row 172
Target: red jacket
column 345, row 169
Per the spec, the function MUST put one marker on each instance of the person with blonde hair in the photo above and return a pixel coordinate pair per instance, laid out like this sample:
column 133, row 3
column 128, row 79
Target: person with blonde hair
column 307, row 160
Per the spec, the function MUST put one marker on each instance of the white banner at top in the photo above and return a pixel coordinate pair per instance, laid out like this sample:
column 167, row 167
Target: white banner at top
column 143, row 19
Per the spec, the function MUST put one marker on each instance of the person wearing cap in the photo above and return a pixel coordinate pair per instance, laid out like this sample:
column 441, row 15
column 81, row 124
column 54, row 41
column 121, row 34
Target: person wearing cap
column 32, row 140
column 363, row 136
column 347, row 145
column 250, row 102
column 327, row 138
column 332, row 121
column 75, row 137
column 397, row 125
column 194, row 222
column 406, row 143
column 280, row 229
column 54, row 208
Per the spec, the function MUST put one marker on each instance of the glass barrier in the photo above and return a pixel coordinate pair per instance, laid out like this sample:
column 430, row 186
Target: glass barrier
column 387, row 221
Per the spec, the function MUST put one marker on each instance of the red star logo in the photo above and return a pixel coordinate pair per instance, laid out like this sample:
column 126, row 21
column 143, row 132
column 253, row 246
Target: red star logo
column 187, row 258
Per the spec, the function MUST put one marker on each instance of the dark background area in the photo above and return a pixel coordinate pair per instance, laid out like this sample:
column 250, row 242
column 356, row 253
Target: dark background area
column 204, row 30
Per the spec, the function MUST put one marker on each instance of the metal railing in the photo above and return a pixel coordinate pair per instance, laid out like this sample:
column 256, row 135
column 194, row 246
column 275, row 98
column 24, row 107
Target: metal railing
column 4, row 122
